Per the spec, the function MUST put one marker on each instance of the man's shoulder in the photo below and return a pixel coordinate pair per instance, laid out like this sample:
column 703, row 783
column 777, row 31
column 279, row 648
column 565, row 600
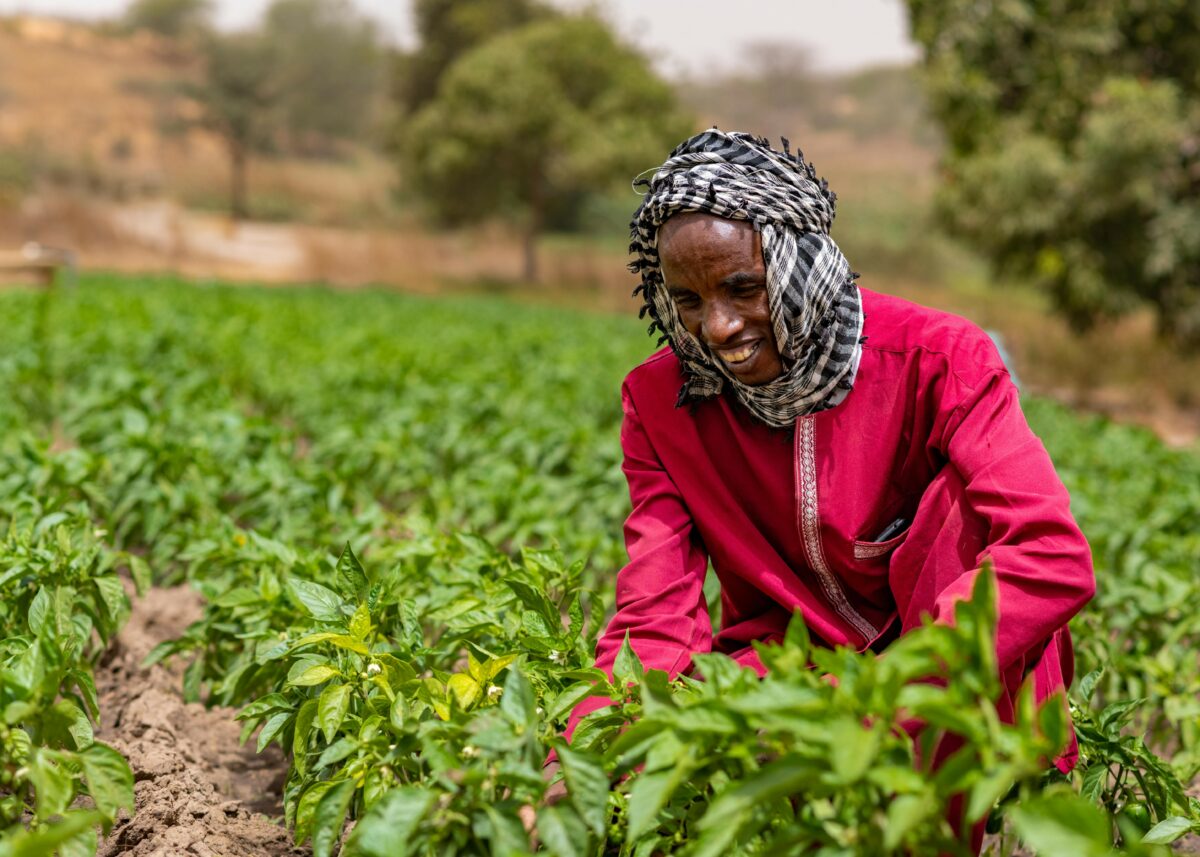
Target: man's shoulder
column 893, row 324
column 660, row 369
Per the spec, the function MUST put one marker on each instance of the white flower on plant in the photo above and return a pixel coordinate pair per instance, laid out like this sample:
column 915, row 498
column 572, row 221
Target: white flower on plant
column 494, row 691
column 558, row 657
column 470, row 752
column 374, row 669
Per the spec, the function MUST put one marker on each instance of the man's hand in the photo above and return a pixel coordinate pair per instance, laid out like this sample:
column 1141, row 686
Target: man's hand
column 553, row 795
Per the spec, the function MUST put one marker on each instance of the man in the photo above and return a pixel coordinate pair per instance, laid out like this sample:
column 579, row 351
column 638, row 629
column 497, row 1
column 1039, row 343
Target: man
column 829, row 449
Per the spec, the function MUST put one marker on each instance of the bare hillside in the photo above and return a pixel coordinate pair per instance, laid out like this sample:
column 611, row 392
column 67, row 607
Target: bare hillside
column 109, row 115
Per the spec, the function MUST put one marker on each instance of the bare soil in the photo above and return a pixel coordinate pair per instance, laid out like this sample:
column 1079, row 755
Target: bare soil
column 198, row 792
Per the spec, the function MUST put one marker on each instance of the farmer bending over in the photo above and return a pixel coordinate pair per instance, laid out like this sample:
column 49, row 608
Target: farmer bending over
column 829, row 449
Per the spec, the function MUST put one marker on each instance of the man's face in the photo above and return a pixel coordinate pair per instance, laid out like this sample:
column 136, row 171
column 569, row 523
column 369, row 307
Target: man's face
column 714, row 272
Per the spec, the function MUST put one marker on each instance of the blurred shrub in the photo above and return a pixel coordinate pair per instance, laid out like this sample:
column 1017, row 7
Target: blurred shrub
column 1074, row 147
column 172, row 18
column 16, row 177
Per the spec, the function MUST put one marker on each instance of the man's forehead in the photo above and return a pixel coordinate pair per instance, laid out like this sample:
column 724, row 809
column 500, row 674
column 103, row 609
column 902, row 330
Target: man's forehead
column 695, row 223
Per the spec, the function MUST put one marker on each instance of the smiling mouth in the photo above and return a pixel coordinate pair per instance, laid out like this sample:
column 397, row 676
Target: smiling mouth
column 741, row 355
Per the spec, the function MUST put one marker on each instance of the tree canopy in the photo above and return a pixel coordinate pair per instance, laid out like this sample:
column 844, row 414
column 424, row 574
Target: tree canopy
column 307, row 76
column 447, row 29
column 1073, row 134
column 239, row 97
column 555, row 108
column 327, row 60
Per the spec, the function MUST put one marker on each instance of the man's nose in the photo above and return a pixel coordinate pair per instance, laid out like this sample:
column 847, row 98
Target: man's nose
column 721, row 323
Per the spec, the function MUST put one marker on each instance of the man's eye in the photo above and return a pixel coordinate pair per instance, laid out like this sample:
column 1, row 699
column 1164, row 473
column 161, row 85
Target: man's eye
column 748, row 291
column 688, row 301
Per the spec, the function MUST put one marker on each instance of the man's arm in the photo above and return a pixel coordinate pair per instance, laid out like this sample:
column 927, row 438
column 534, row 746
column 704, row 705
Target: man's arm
column 660, row 593
column 1042, row 561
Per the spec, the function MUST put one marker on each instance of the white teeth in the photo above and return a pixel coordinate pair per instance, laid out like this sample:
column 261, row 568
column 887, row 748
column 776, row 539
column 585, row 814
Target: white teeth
column 737, row 356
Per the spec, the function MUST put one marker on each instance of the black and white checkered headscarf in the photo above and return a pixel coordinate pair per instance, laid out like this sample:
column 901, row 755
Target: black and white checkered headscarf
column 816, row 309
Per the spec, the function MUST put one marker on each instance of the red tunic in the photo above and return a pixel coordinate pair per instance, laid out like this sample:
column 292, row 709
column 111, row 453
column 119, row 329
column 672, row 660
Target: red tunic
column 932, row 432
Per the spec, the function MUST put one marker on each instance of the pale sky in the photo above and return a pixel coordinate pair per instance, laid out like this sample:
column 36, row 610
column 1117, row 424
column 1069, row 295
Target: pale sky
column 686, row 35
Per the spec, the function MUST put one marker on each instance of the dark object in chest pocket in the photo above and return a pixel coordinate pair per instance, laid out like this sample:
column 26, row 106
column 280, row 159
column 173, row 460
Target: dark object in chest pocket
column 873, row 550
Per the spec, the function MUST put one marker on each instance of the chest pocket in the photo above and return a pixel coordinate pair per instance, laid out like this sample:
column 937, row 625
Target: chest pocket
column 874, row 550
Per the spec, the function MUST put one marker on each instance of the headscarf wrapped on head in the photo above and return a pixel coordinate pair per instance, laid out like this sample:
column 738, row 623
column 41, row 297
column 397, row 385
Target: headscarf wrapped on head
column 815, row 307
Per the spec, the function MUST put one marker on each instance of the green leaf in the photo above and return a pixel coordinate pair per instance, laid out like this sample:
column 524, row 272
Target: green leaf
column 329, row 817
column 139, row 570
column 1062, row 823
column 587, row 785
column 238, row 597
column 721, row 824
column 112, row 595
column 51, row 838
column 39, row 611
column 400, row 671
column 987, row 791
column 508, row 833
column 1114, row 716
column 852, row 748
column 796, row 636
column 272, row 728
column 492, row 667
column 627, row 668
column 536, row 601
column 71, row 719
column 304, row 722
column 389, row 829
column 323, row 604
column 351, row 573
column 83, row 681
column 193, row 679
column 517, row 702
column 904, row 814
column 569, row 698
column 342, row 641
column 360, row 623
column 1087, row 684
column 336, row 751
column 109, row 779
column 263, row 705
column 306, row 810
column 706, row 718
column 314, row 675
column 54, row 784
column 465, row 689
column 648, row 795
column 562, row 831
column 331, row 710
column 1168, row 830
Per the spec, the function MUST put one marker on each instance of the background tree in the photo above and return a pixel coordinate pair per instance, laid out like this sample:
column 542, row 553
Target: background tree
column 173, row 18
column 327, row 60
column 447, row 29
column 1073, row 157
column 553, row 109
column 240, row 99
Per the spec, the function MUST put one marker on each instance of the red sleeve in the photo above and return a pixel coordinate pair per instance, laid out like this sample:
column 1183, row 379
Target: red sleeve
column 660, row 593
column 1042, row 561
